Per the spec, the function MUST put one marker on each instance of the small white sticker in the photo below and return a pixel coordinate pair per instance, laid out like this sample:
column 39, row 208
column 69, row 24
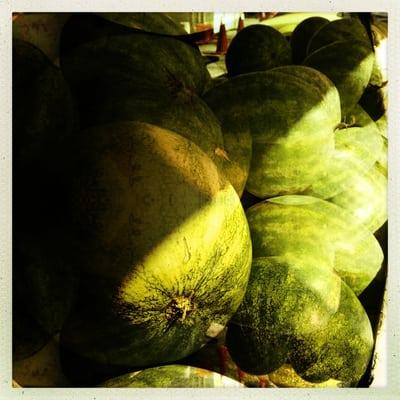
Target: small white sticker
column 214, row 329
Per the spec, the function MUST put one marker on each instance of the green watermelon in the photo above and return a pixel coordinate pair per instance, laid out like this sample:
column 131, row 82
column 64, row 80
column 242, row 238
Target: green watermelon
column 286, row 376
column 290, row 113
column 348, row 64
column 285, row 302
column 84, row 27
column 317, row 231
column 340, row 29
column 166, row 249
column 356, row 151
column 127, row 64
column 277, row 324
column 365, row 197
column 172, row 376
column 257, row 48
column 343, row 348
column 301, row 36
column 186, row 114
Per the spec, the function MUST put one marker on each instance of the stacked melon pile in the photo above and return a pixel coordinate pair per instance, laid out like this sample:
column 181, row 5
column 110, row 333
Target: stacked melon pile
column 143, row 252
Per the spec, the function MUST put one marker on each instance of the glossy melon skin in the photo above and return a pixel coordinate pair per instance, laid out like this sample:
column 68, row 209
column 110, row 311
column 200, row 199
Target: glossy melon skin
column 301, row 36
column 366, row 197
column 348, row 64
column 172, row 376
column 166, row 250
column 290, row 143
column 257, row 48
column 317, row 231
column 356, row 150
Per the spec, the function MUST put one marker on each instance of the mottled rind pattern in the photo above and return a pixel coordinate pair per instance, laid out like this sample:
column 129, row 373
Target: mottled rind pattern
column 172, row 376
column 351, row 75
column 291, row 125
column 160, row 224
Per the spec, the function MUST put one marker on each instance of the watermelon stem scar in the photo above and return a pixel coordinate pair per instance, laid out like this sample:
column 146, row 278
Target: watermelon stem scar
column 178, row 309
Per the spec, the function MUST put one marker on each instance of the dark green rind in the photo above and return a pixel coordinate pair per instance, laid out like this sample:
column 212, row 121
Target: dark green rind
column 132, row 63
column 286, row 300
column 153, row 22
column 357, row 150
column 366, row 198
column 344, row 348
column 340, row 29
column 257, row 48
column 348, row 64
column 157, row 221
column 301, row 36
column 85, row 27
column 236, row 135
column 290, row 143
column 345, row 29
column 298, row 225
column 172, row 376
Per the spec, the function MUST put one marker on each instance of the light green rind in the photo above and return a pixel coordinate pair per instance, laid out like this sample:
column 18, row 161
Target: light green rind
column 291, row 113
column 327, row 228
column 357, row 149
column 158, row 224
column 172, row 376
column 366, row 198
column 348, row 64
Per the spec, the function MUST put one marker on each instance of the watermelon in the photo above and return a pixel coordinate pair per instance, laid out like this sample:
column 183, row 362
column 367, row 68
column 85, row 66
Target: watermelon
column 302, row 34
column 286, row 376
column 186, row 114
column 262, row 338
column 317, row 231
column 172, row 376
column 84, row 27
column 356, row 151
column 340, row 29
column 166, row 249
column 343, row 348
column 120, row 64
column 351, row 75
column 285, row 302
column 257, row 48
column 290, row 113
column 365, row 198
